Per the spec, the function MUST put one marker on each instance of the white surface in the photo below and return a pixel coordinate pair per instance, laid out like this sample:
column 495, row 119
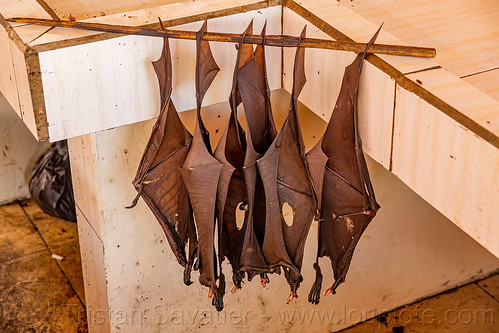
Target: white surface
column 409, row 251
column 18, row 152
column 110, row 83
column 448, row 165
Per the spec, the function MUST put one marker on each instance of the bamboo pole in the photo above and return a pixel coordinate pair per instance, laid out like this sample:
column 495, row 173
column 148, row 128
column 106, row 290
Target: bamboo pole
column 270, row 40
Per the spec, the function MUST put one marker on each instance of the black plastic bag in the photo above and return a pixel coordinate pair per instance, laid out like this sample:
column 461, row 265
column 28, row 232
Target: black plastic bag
column 50, row 185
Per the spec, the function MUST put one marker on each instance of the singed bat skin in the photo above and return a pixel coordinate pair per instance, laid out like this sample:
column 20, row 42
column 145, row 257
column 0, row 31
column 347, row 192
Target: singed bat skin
column 239, row 176
column 192, row 191
column 158, row 179
column 232, row 188
column 201, row 174
column 255, row 96
column 286, row 180
column 344, row 191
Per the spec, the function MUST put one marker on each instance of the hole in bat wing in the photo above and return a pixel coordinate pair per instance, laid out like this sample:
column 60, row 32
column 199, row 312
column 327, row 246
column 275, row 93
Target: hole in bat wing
column 287, row 214
column 349, row 224
column 215, row 239
column 241, row 210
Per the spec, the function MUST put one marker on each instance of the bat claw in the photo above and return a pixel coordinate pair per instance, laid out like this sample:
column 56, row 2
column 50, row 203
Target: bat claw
column 291, row 296
column 329, row 291
column 234, row 289
column 210, row 293
column 264, row 282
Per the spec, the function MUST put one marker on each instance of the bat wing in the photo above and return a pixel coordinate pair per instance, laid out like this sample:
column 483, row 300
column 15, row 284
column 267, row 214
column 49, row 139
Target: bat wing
column 255, row 95
column 347, row 202
column 201, row 173
column 286, row 180
column 158, row 179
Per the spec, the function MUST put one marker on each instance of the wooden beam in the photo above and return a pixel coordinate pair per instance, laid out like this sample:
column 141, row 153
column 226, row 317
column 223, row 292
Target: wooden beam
column 270, row 40
column 48, row 9
column 401, row 79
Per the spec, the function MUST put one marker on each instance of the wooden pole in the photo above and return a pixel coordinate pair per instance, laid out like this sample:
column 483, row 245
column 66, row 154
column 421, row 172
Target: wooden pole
column 270, row 40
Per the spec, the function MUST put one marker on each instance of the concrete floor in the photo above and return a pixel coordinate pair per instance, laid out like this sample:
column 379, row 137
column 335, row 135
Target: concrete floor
column 41, row 294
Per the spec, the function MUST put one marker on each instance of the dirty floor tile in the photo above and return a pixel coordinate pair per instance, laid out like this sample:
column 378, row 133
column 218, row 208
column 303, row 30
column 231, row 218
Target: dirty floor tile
column 467, row 309
column 55, row 231
column 17, row 235
column 491, row 286
column 71, row 265
column 37, row 298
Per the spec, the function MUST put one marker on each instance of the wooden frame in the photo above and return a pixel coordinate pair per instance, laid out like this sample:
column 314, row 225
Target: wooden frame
column 436, row 131
column 33, row 40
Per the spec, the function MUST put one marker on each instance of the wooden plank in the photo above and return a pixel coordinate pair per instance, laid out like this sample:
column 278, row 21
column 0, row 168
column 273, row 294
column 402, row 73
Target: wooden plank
column 466, row 33
column 37, row 95
column 29, row 32
column 488, row 82
column 48, row 9
column 94, row 277
column 16, row 8
column 92, row 8
column 318, row 9
column 324, row 70
column 87, row 195
column 63, row 37
column 448, row 166
column 139, row 264
column 23, row 90
column 172, row 14
column 81, row 97
column 8, row 85
column 344, row 24
column 470, row 101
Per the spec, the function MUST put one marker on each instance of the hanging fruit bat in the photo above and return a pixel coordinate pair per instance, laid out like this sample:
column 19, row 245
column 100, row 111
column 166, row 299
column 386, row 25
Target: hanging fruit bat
column 343, row 187
column 239, row 174
column 158, row 179
column 286, row 180
column 255, row 96
column 231, row 187
column 201, row 173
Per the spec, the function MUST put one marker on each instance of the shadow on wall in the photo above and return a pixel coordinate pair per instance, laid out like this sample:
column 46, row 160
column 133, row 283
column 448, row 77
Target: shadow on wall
column 19, row 151
column 409, row 251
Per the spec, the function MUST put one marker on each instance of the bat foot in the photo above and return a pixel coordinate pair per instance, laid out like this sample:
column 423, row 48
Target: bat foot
column 187, row 275
column 315, row 292
column 264, row 279
column 291, row 296
column 329, row 291
column 136, row 200
column 314, row 297
column 218, row 302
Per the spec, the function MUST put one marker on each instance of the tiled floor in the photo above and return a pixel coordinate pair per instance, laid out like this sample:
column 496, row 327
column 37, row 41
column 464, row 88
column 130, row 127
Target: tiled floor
column 37, row 292
column 470, row 308
column 41, row 294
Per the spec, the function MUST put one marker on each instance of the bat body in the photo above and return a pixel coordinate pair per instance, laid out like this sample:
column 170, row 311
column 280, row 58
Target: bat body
column 344, row 191
column 195, row 194
column 232, row 192
column 286, row 180
column 201, row 173
column 255, row 96
column 158, row 179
